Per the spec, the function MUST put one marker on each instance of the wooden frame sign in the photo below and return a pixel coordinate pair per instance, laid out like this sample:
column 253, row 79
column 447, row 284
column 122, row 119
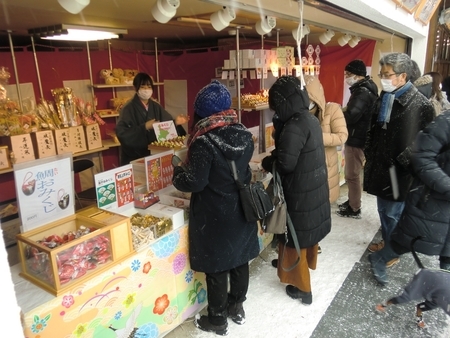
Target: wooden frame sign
column 426, row 9
column 5, row 162
column 408, row 5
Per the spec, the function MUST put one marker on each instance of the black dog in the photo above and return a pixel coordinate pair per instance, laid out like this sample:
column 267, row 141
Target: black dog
column 429, row 284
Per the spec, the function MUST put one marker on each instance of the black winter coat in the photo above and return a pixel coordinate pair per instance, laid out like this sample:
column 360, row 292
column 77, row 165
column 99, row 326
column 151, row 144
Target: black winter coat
column 300, row 159
column 427, row 208
column 411, row 112
column 130, row 129
column 364, row 93
column 220, row 238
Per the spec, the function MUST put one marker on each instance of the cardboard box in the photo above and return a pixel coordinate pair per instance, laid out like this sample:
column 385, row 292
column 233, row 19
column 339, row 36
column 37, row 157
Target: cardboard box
column 162, row 210
column 62, row 268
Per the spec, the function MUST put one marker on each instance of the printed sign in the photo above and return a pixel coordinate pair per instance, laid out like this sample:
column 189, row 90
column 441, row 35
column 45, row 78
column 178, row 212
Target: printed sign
column 44, row 190
column 115, row 188
column 159, row 170
column 165, row 130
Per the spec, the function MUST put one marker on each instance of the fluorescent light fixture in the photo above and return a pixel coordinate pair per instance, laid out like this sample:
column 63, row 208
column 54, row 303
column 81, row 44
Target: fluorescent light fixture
column 354, row 41
column 74, row 6
column 208, row 22
column 326, row 36
column 342, row 41
column 265, row 25
column 306, row 31
column 164, row 10
column 221, row 19
column 76, row 33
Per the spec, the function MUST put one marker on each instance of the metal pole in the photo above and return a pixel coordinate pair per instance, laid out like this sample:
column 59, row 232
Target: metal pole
column 19, row 94
column 37, row 68
column 90, row 73
column 238, row 75
column 157, row 67
column 111, row 65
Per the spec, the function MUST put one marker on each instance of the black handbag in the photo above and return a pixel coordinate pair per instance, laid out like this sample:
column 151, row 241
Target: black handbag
column 255, row 201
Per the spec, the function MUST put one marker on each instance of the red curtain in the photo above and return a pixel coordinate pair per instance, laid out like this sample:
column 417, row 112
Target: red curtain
column 333, row 62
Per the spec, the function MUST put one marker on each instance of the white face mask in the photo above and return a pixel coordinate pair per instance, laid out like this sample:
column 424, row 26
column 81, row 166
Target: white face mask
column 351, row 81
column 145, row 94
column 312, row 105
column 387, row 85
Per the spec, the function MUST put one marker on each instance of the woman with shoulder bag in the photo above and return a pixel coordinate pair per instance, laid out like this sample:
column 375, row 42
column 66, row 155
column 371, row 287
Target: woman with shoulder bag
column 221, row 241
column 300, row 160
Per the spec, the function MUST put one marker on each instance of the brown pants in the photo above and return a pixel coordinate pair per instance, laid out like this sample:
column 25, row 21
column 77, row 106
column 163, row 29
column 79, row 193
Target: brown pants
column 299, row 276
column 354, row 159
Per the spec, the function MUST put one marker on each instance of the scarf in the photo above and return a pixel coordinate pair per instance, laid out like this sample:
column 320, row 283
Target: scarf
column 387, row 102
column 224, row 118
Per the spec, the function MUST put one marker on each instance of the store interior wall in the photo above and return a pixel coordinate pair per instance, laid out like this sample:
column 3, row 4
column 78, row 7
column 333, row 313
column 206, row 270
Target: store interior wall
column 196, row 67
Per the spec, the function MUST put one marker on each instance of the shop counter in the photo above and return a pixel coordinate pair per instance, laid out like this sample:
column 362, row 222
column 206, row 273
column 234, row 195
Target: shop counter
column 148, row 294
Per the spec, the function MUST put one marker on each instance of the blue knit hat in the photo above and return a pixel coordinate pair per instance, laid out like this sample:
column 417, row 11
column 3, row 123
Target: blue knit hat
column 212, row 99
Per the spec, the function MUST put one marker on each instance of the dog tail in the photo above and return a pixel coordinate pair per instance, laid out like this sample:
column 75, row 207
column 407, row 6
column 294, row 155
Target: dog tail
column 416, row 258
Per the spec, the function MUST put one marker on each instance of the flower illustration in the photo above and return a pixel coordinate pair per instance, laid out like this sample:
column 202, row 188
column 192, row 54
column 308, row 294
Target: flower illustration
column 118, row 315
column 166, row 246
column 161, row 304
column 179, row 263
column 129, row 300
column 201, row 296
column 171, row 314
column 80, row 329
column 147, row 267
column 196, row 293
column 68, row 301
column 149, row 330
column 189, row 276
column 135, row 265
column 39, row 324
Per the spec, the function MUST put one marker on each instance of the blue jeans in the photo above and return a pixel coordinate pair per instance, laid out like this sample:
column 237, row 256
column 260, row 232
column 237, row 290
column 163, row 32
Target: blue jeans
column 390, row 212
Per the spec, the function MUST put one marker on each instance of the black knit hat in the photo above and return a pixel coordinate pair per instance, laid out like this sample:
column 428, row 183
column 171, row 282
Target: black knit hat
column 356, row 67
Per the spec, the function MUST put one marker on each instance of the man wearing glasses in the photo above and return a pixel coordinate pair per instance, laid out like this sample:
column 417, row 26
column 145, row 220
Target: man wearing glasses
column 399, row 114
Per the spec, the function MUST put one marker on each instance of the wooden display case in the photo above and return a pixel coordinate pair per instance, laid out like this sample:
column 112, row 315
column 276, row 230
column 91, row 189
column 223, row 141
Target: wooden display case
column 68, row 265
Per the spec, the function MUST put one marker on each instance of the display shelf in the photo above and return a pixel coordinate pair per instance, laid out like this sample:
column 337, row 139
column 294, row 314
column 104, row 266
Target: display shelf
column 110, row 143
column 249, row 108
column 121, row 85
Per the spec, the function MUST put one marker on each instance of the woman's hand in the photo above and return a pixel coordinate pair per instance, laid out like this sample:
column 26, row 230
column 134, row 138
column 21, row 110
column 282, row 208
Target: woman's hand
column 181, row 119
column 149, row 124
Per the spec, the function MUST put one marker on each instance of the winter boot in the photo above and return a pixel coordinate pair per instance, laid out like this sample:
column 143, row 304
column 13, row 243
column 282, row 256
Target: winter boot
column 236, row 313
column 296, row 293
column 204, row 324
column 444, row 266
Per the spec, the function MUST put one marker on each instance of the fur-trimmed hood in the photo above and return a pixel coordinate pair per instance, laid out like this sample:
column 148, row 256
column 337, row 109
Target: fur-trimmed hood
column 424, row 85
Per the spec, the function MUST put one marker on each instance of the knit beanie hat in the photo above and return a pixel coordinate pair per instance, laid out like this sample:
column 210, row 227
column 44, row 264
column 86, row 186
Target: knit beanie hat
column 356, row 67
column 212, row 99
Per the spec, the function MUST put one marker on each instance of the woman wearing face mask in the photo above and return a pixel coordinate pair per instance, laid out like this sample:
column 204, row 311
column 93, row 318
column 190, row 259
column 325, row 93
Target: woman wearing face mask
column 134, row 128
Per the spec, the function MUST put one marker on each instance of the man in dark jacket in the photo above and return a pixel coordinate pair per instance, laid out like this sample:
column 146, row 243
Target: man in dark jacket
column 399, row 114
column 135, row 125
column 364, row 93
column 300, row 160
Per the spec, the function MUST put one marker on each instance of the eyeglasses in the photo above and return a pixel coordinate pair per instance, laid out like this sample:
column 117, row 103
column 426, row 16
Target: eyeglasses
column 386, row 76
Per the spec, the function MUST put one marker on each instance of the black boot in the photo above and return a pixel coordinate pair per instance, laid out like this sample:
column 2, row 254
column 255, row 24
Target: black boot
column 296, row 293
column 236, row 313
column 444, row 266
column 204, row 324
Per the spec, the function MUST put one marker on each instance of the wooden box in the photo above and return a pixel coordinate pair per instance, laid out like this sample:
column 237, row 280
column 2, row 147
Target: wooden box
column 93, row 136
column 44, row 143
column 63, row 267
